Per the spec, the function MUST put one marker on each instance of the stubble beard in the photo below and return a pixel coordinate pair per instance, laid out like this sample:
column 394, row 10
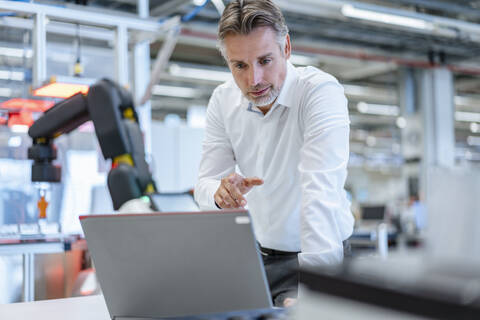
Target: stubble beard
column 264, row 100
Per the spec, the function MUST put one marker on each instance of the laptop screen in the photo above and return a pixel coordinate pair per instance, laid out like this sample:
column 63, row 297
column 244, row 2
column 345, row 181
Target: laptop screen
column 174, row 202
column 373, row 212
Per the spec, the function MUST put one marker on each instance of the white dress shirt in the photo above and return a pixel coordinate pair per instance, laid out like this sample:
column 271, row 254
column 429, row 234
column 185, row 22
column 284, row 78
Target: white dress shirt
column 300, row 149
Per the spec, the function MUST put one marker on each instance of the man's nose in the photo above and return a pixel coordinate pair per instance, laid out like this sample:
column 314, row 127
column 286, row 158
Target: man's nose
column 255, row 76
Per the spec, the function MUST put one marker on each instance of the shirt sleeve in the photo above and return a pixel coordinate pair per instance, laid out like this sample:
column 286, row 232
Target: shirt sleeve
column 218, row 158
column 326, row 219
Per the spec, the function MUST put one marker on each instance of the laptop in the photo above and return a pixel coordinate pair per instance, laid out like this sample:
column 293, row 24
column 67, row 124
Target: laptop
column 371, row 217
column 373, row 213
column 178, row 265
column 175, row 201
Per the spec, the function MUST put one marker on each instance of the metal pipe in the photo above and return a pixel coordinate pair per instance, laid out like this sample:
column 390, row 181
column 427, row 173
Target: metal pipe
column 382, row 241
column 121, row 55
column 367, row 55
column 141, row 77
column 39, row 50
column 28, row 277
column 63, row 28
column 93, row 18
column 440, row 26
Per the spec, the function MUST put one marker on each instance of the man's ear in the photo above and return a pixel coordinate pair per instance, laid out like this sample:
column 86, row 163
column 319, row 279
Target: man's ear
column 288, row 47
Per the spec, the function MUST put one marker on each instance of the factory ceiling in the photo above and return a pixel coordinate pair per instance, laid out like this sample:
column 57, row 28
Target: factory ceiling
column 330, row 34
column 307, row 22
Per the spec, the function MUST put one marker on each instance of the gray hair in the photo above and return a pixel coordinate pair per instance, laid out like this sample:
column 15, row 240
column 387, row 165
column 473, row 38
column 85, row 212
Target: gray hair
column 243, row 16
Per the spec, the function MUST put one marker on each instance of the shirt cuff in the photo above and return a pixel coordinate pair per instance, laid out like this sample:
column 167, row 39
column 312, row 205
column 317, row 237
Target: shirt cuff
column 204, row 194
column 316, row 259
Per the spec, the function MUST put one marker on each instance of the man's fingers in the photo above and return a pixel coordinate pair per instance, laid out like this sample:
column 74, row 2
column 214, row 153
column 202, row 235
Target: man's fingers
column 227, row 198
column 289, row 302
column 234, row 178
column 235, row 194
column 253, row 181
column 233, row 188
column 219, row 201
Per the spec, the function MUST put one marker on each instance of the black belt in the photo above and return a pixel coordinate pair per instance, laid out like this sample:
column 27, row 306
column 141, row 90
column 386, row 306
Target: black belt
column 272, row 252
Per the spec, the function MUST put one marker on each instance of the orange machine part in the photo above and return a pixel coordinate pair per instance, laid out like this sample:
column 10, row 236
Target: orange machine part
column 20, row 104
column 60, row 90
column 42, row 205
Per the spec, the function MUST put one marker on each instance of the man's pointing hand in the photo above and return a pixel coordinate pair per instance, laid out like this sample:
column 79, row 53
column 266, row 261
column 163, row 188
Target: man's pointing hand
column 232, row 188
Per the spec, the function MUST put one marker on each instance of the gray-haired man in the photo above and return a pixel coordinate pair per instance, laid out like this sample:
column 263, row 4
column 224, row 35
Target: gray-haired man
column 287, row 130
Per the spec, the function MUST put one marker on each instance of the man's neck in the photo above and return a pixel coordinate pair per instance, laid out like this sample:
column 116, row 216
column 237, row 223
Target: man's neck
column 266, row 108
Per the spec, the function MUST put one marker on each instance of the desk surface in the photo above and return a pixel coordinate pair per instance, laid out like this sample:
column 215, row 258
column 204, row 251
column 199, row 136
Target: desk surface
column 81, row 308
column 47, row 244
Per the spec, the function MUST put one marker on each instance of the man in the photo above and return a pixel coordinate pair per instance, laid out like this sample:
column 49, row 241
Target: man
column 286, row 130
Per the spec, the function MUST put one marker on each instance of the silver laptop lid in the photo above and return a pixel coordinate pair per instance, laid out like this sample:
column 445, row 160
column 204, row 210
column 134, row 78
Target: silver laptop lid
column 177, row 264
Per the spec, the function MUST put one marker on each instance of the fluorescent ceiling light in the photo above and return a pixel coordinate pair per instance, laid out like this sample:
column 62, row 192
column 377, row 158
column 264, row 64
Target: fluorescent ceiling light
column 364, row 93
column 371, row 141
column 5, row 92
column 467, row 116
column 352, row 12
column 466, row 101
column 19, row 128
column 15, row 141
column 196, row 116
column 473, row 141
column 401, row 122
column 201, row 74
column 378, row 109
column 15, row 52
column 472, row 156
column 12, row 75
column 172, row 91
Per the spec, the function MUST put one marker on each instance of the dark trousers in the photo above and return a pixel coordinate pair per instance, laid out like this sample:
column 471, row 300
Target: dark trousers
column 282, row 276
column 282, row 272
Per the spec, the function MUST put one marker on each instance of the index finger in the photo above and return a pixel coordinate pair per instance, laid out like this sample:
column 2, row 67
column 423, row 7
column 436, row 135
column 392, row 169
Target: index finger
column 252, row 181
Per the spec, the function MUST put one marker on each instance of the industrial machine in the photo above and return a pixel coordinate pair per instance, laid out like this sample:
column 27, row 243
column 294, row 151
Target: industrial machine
column 111, row 109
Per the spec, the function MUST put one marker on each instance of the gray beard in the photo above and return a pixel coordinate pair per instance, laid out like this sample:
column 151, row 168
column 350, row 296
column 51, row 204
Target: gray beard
column 265, row 100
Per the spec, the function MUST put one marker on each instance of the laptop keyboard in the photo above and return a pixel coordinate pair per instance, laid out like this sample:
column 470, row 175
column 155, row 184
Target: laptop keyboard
column 260, row 314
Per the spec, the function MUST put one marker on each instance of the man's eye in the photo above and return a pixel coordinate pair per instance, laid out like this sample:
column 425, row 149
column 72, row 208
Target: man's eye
column 265, row 61
column 239, row 66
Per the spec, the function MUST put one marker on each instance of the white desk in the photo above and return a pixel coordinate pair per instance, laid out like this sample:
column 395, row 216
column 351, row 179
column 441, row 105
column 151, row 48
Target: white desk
column 82, row 308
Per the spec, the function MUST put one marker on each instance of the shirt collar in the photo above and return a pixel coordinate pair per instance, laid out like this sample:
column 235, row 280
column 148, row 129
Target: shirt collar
column 287, row 93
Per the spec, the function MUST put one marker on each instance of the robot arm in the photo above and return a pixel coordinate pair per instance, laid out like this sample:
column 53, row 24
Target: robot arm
column 111, row 109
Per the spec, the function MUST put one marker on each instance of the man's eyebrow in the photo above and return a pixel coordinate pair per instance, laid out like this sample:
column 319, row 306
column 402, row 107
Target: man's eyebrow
column 265, row 56
column 259, row 58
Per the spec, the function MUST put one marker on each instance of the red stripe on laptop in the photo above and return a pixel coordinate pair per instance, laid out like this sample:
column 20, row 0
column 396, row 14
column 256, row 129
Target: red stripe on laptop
column 224, row 211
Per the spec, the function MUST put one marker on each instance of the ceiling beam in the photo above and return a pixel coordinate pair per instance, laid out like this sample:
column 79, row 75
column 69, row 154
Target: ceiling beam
column 438, row 26
column 467, row 84
column 168, row 7
column 448, row 7
column 370, row 70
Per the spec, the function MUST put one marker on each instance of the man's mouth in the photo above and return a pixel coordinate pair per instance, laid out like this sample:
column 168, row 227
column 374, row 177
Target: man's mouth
column 260, row 92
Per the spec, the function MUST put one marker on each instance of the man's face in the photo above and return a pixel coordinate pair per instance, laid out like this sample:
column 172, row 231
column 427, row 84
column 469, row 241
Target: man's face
column 258, row 64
